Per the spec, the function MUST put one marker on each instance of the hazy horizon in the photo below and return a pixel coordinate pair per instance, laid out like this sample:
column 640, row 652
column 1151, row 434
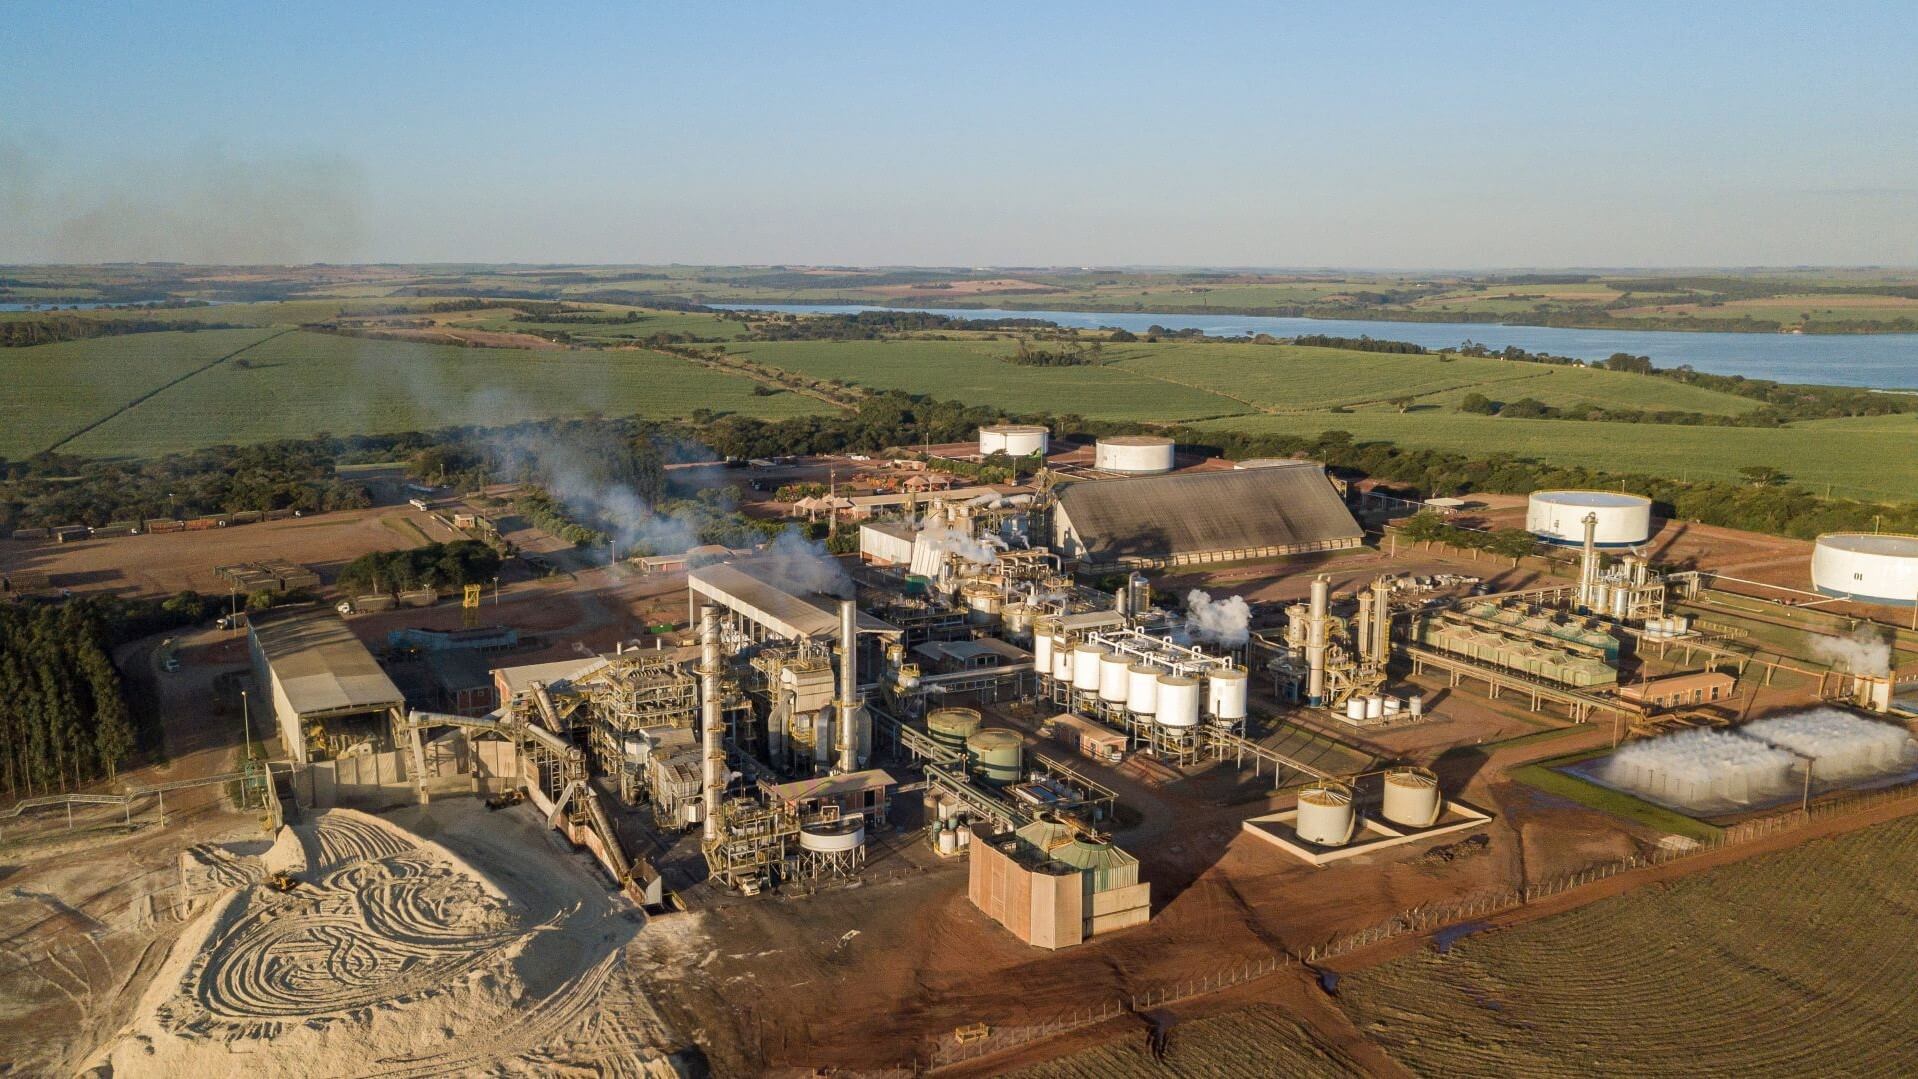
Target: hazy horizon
column 1484, row 137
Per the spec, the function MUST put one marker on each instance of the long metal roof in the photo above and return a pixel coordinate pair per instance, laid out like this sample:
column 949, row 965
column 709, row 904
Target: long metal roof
column 321, row 666
column 752, row 589
column 1194, row 512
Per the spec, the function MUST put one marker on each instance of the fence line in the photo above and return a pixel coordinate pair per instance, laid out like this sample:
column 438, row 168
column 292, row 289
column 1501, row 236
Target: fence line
column 1414, row 920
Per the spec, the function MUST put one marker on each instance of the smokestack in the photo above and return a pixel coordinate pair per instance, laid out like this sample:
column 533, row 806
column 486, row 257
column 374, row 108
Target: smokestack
column 1363, row 635
column 848, row 686
column 1381, row 621
column 1315, row 634
column 713, row 763
column 1588, row 563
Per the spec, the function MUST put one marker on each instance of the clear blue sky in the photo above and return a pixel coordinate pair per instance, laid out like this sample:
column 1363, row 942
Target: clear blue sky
column 1338, row 134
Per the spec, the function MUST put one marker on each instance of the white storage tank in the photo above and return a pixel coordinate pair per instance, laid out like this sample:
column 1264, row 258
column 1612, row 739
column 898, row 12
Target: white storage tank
column 1139, row 455
column 1062, row 664
column 1225, row 693
column 1042, row 650
column 1325, row 814
column 1012, row 439
column 1624, row 520
column 1178, row 701
column 1875, row 567
column 1113, row 684
column 1085, row 667
column 1411, row 797
column 1142, row 689
column 1375, row 707
column 1355, row 708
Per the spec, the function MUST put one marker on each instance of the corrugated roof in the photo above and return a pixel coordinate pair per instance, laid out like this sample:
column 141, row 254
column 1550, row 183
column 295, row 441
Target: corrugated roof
column 749, row 588
column 322, row 667
column 1196, row 512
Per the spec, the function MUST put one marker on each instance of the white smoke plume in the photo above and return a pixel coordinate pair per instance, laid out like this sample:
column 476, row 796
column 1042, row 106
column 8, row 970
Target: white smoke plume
column 1861, row 653
column 1225, row 622
column 799, row 565
column 946, row 539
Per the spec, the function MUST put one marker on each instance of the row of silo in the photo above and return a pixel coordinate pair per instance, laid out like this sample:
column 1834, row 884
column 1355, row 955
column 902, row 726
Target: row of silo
column 1326, row 815
column 1121, row 682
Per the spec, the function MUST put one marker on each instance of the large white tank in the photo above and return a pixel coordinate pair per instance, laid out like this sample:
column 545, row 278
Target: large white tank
column 1142, row 689
column 1085, row 667
column 1042, row 651
column 1411, row 797
column 1225, row 693
column 1558, row 517
column 1325, row 814
column 1178, row 701
column 1870, row 566
column 1113, row 686
column 1136, row 454
column 1062, row 662
column 1012, row 439
column 836, row 837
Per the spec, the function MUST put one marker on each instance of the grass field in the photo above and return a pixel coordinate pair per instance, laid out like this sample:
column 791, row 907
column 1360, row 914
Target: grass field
column 304, row 384
column 52, row 390
column 1797, row 963
column 973, row 371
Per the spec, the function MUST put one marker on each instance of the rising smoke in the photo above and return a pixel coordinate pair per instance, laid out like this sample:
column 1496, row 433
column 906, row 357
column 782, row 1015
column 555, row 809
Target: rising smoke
column 1226, row 622
column 946, row 539
column 800, row 565
column 1864, row 652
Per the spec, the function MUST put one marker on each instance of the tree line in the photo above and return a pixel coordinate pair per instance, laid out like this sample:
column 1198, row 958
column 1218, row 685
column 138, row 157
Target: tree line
column 52, row 329
column 443, row 566
column 63, row 716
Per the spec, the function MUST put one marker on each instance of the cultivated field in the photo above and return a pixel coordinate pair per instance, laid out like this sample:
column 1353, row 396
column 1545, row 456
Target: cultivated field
column 1798, row 963
column 300, row 384
column 1256, row 1041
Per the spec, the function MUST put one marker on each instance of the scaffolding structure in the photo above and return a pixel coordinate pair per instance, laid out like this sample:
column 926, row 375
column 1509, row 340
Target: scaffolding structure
column 753, row 841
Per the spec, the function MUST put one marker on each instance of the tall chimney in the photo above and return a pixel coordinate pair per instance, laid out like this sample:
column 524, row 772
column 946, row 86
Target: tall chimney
column 713, row 756
column 1315, row 635
column 1362, row 635
column 1588, row 564
column 848, row 686
column 1381, row 621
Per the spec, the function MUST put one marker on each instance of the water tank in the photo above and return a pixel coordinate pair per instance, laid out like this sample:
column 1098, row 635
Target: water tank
column 1225, row 692
column 1355, row 708
column 997, row 755
column 1178, row 701
column 1062, row 661
column 1411, row 797
column 1012, row 439
column 948, row 842
column 983, row 600
column 1142, row 689
column 1867, row 566
column 1140, row 455
column 1113, row 685
column 1624, row 520
column 1085, row 667
column 1375, row 707
column 1325, row 814
column 951, row 727
column 1042, row 649
column 833, row 837
column 1415, row 704
column 1392, row 706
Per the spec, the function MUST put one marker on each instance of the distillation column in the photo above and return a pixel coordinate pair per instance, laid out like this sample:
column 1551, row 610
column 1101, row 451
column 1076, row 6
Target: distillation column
column 1588, row 564
column 1381, row 622
column 1317, row 630
column 713, row 762
column 848, row 709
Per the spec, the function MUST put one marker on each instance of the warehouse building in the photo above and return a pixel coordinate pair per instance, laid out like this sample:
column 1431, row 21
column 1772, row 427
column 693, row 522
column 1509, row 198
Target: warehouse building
column 1053, row 887
column 1200, row 517
column 328, row 694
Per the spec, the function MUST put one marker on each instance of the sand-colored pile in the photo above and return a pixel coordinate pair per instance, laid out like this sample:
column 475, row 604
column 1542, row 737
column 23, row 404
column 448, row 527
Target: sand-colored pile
column 393, row 956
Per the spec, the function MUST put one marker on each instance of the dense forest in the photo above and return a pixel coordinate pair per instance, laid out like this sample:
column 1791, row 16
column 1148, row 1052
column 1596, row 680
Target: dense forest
column 444, row 566
column 63, row 718
column 49, row 329
column 56, row 489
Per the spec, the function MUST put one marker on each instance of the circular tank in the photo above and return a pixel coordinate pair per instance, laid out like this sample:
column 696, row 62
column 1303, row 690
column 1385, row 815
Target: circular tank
column 983, row 601
column 1112, row 678
column 834, row 837
column 1061, row 661
column 997, row 755
column 1392, row 706
column 1411, row 797
column 1012, row 439
column 1018, row 619
column 1178, row 701
column 1142, row 689
column 1225, row 693
column 1624, row 520
column 948, row 842
column 1325, row 814
column 1042, row 651
column 1140, row 455
column 1355, row 708
column 1375, row 707
column 951, row 727
column 1872, row 567
column 1415, row 704
column 964, row 832
column 1085, row 667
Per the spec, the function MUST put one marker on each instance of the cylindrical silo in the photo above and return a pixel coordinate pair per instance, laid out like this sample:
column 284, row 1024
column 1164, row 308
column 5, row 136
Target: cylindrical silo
column 1085, row 667
column 1112, row 678
column 1225, row 691
column 1375, row 707
column 1042, row 650
column 1062, row 662
column 1142, row 689
column 1325, row 815
column 1558, row 517
column 1178, row 701
column 1411, row 797
column 1012, row 439
column 951, row 727
column 1018, row 620
column 1874, row 567
column 997, row 755
column 1139, row 455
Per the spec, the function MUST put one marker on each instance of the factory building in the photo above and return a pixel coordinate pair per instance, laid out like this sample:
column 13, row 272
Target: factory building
column 327, row 692
column 1558, row 517
column 1869, row 566
column 1054, row 887
column 1682, row 690
column 1201, row 517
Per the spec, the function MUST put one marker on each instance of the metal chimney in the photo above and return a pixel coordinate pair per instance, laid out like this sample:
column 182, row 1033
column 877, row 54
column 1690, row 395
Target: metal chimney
column 713, row 756
column 848, row 686
column 1588, row 564
column 1316, row 631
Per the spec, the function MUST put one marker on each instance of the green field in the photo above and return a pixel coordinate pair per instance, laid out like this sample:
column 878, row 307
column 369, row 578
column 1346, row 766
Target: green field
column 1797, row 963
column 975, row 372
column 303, row 384
column 53, row 390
